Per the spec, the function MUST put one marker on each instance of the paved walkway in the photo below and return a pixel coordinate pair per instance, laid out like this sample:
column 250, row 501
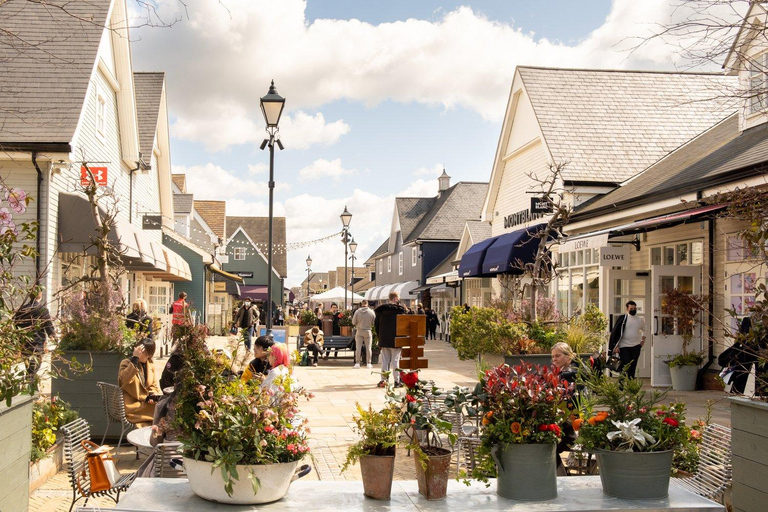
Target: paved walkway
column 337, row 388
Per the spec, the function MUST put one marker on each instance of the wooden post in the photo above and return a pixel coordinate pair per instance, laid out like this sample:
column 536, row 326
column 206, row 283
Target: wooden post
column 411, row 332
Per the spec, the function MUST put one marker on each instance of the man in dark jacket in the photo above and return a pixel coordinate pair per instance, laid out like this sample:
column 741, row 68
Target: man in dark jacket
column 247, row 317
column 34, row 318
column 627, row 339
column 386, row 328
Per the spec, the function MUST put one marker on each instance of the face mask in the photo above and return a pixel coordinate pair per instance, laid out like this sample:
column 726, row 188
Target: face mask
column 633, row 312
column 247, row 304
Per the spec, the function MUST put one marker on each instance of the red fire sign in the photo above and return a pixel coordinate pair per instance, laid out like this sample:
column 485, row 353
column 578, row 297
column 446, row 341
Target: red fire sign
column 99, row 174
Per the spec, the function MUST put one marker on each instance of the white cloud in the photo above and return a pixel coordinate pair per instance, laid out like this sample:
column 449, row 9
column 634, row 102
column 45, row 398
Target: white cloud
column 257, row 169
column 322, row 168
column 210, row 181
column 302, row 130
column 420, row 188
column 436, row 170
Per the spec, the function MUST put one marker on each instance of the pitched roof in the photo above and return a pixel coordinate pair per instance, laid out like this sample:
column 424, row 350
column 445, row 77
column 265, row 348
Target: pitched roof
column 182, row 203
column 610, row 125
column 410, row 211
column 48, row 51
column 713, row 156
column 214, row 213
column 257, row 228
column 378, row 252
column 180, row 180
column 448, row 213
column 479, row 230
column 149, row 92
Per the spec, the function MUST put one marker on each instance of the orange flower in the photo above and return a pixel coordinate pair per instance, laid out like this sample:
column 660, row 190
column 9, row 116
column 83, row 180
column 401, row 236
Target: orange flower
column 487, row 418
column 577, row 424
column 599, row 418
column 515, row 427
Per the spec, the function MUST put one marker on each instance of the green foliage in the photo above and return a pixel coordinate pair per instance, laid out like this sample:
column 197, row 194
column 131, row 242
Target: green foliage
column 544, row 337
column 687, row 310
column 47, row 417
column 307, row 317
column 487, row 331
column 378, row 433
column 346, row 318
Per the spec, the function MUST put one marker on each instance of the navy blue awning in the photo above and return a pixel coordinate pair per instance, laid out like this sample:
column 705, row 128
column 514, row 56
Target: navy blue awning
column 510, row 251
column 472, row 262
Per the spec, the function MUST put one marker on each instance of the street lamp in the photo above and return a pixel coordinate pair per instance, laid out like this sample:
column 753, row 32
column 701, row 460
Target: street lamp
column 352, row 248
column 309, row 264
column 346, row 218
column 272, row 107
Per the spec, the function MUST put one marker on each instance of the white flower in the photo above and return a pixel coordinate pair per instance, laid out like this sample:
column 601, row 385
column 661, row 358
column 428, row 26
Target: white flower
column 630, row 434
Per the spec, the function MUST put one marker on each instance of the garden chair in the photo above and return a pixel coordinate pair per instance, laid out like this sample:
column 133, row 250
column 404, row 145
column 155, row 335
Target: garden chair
column 77, row 467
column 714, row 474
column 114, row 408
column 165, row 453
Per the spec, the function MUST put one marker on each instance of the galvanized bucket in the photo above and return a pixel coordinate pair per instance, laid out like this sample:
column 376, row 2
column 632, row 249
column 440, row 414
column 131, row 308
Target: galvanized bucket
column 433, row 481
column 635, row 475
column 377, row 471
column 526, row 472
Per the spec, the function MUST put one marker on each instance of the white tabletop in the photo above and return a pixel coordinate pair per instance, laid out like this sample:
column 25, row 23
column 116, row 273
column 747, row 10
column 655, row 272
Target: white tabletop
column 140, row 437
column 575, row 493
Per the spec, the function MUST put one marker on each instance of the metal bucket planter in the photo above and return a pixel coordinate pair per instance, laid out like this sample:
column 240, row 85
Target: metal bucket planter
column 635, row 475
column 683, row 377
column 433, row 481
column 526, row 472
column 378, row 471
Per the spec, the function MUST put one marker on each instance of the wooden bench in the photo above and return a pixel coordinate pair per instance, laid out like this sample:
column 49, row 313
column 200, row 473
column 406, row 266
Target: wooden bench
column 714, row 475
column 334, row 343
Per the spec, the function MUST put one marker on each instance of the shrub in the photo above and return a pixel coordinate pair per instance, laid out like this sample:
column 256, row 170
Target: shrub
column 307, row 317
column 47, row 417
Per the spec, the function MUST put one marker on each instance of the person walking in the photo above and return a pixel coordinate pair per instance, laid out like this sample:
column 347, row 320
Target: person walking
column 362, row 321
column 432, row 323
column 247, row 317
column 180, row 316
column 386, row 328
column 35, row 319
column 627, row 339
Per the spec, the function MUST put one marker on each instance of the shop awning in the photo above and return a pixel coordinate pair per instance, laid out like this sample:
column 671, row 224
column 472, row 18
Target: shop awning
column 510, row 251
column 405, row 290
column 423, row 287
column 254, row 291
column 231, row 286
column 472, row 262
column 223, row 273
column 379, row 292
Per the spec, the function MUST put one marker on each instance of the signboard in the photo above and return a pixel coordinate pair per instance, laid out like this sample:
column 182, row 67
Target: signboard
column 521, row 217
column 219, row 287
column 244, row 274
column 152, row 222
column 591, row 242
column 614, row 256
column 278, row 334
column 540, row 205
column 99, row 174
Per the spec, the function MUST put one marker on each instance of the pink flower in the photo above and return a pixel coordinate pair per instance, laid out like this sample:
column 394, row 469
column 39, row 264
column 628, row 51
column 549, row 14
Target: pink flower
column 6, row 217
column 643, row 410
column 17, row 198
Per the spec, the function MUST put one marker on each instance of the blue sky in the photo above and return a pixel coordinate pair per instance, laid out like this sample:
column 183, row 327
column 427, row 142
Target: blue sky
column 380, row 96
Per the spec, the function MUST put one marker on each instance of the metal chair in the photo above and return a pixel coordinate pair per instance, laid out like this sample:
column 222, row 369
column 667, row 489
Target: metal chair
column 165, row 453
column 714, row 474
column 77, row 467
column 114, row 408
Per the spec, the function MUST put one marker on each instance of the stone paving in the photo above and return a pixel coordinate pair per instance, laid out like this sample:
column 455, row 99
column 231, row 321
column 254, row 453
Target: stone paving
column 337, row 388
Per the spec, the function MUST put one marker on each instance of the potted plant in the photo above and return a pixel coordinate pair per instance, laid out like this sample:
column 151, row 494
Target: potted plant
column 634, row 437
column 241, row 443
column 307, row 320
column 686, row 308
column 345, row 323
column 422, row 428
column 523, row 410
column 376, row 449
column 291, row 326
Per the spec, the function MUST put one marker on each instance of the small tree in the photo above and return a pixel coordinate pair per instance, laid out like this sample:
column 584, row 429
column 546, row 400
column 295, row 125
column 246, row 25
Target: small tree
column 687, row 309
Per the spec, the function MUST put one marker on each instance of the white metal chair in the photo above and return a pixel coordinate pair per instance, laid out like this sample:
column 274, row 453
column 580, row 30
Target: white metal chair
column 714, row 475
column 114, row 408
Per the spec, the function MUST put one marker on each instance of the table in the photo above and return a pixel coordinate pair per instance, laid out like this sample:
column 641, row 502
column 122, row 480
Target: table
column 140, row 439
column 575, row 493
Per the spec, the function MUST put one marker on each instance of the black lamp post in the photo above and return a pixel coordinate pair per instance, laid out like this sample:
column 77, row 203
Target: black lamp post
column 346, row 218
column 272, row 107
column 352, row 249
column 309, row 264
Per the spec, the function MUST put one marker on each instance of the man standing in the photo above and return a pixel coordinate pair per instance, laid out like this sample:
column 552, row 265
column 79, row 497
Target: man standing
column 386, row 328
column 362, row 321
column 180, row 316
column 34, row 318
column 247, row 317
column 627, row 339
column 335, row 329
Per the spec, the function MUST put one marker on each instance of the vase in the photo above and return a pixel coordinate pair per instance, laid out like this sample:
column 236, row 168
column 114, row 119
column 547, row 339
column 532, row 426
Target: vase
column 377, row 471
column 683, row 377
column 526, row 472
column 274, row 479
column 635, row 475
column 433, row 479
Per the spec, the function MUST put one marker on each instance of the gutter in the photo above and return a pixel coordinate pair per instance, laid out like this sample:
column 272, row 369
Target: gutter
column 39, row 203
column 37, row 147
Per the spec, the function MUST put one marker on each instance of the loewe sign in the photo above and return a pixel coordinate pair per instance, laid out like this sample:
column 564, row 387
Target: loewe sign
column 614, row 256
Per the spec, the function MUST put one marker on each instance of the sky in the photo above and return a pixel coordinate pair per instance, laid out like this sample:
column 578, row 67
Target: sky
column 381, row 96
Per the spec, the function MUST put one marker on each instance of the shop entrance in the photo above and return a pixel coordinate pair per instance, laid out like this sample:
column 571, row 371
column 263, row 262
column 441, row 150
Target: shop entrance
column 667, row 339
column 626, row 285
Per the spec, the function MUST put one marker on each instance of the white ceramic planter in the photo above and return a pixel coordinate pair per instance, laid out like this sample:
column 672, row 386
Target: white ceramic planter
column 683, row 377
column 275, row 480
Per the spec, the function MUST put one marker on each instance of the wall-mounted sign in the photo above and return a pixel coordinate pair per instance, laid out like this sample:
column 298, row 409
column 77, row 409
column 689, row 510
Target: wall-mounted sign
column 219, row 287
column 99, row 175
column 520, row 217
column 152, row 222
column 614, row 256
column 541, row 205
column 591, row 242
column 244, row 274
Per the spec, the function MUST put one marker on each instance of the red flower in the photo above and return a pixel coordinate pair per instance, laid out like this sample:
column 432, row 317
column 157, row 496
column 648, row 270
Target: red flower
column 543, row 428
column 410, row 378
column 410, row 398
column 555, row 428
column 671, row 422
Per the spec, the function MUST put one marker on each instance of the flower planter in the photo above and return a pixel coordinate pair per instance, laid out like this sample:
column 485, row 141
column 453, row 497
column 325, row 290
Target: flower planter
column 526, row 472
column 433, row 480
column 15, row 446
column 46, row 468
column 683, row 377
column 635, row 475
column 377, row 471
column 345, row 330
column 304, row 328
column 275, row 479
column 749, row 443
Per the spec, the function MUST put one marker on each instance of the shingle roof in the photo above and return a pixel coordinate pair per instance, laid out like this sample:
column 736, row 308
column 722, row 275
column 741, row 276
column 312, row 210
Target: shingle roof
column 182, row 203
column 149, row 92
column 48, row 50
column 479, row 230
column 214, row 213
column 714, row 155
column 378, row 252
column 180, row 180
column 410, row 211
column 610, row 125
column 449, row 213
column 258, row 229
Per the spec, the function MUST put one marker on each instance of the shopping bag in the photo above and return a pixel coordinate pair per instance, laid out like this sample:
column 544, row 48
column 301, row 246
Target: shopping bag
column 614, row 364
column 233, row 330
column 101, row 466
column 304, row 358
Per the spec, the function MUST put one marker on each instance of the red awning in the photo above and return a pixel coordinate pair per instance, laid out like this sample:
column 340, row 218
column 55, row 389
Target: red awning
column 253, row 291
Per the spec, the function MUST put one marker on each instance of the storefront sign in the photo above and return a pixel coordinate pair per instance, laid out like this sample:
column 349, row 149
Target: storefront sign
column 591, row 242
column 521, row 217
column 540, row 205
column 614, row 256
column 151, row 222
column 248, row 275
column 219, row 287
column 99, row 175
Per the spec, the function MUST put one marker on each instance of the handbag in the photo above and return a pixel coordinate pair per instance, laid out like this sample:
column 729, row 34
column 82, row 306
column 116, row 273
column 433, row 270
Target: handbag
column 614, row 364
column 233, row 330
column 304, row 359
column 101, row 466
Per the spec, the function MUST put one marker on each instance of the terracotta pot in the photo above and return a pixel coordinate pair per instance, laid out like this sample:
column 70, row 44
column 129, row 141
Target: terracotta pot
column 378, row 471
column 433, row 481
column 346, row 330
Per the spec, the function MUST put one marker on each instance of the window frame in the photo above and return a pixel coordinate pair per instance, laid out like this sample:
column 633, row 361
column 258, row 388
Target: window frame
column 414, row 255
column 239, row 253
column 389, row 263
column 400, row 263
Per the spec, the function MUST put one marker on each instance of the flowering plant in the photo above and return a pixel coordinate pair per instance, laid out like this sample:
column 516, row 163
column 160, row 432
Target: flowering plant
column 307, row 317
column 47, row 416
column 345, row 318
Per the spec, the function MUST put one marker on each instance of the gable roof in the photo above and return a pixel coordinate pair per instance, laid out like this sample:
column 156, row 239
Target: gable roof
column 479, row 230
column 257, row 228
column 448, row 213
column 149, row 92
column 48, row 50
column 214, row 213
column 180, row 180
column 182, row 203
column 410, row 211
column 609, row 125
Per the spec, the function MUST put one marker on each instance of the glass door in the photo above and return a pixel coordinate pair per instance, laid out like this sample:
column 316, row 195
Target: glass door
column 626, row 285
column 667, row 339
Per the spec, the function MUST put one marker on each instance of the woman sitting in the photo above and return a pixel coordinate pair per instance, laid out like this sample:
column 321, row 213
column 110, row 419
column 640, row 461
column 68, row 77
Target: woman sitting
column 259, row 365
column 280, row 361
column 137, row 380
column 313, row 340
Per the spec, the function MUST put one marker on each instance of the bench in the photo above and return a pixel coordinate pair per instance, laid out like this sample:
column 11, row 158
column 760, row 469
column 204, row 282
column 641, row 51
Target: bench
column 714, row 474
column 334, row 342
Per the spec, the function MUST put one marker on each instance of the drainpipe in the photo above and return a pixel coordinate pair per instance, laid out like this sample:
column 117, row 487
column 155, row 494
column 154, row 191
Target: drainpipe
column 39, row 223
column 710, row 304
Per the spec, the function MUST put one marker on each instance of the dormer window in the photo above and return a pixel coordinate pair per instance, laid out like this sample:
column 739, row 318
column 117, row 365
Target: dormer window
column 240, row 253
column 758, row 93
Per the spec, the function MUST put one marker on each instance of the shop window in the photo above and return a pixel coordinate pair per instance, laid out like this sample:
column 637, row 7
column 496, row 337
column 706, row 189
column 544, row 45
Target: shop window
column 414, row 256
column 400, row 263
column 684, row 253
column 758, row 67
column 389, row 263
column 578, row 281
column 239, row 253
column 159, row 300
